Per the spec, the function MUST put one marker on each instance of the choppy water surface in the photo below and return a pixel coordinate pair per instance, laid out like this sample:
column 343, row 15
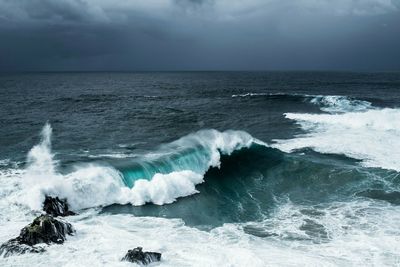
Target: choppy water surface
column 211, row 169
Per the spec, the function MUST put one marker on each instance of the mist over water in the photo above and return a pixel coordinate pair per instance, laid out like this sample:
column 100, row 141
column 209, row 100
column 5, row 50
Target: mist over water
column 211, row 169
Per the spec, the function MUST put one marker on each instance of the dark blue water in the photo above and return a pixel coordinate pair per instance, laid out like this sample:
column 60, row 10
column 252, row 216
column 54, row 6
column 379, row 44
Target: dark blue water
column 99, row 111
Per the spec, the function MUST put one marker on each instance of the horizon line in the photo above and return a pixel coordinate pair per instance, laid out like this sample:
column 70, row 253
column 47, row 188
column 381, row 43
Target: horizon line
column 170, row 71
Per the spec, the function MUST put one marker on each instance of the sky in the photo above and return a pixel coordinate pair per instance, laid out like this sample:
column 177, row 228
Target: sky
column 133, row 35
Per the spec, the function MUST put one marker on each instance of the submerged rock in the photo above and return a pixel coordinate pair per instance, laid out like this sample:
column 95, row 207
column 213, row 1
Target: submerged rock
column 56, row 207
column 136, row 255
column 44, row 229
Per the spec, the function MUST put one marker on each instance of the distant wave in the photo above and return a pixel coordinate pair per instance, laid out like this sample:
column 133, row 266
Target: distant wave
column 327, row 103
column 372, row 136
column 337, row 104
column 255, row 94
column 272, row 96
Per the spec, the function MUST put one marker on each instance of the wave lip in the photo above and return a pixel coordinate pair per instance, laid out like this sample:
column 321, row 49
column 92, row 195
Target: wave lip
column 195, row 152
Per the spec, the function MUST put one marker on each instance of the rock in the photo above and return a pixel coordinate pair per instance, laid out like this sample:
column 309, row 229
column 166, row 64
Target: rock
column 44, row 229
column 13, row 246
column 136, row 255
column 56, row 207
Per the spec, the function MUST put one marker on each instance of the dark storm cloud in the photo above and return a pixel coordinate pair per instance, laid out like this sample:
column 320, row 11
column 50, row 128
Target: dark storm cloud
column 193, row 2
column 199, row 34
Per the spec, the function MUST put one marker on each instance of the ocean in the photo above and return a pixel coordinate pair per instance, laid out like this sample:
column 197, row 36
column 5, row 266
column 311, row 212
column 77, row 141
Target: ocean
column 208, row 168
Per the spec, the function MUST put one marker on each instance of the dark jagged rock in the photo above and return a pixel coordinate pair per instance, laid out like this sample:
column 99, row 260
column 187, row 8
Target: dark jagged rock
column 13, row 246
column 44, row 229
column 56, row 207
column 136, row 255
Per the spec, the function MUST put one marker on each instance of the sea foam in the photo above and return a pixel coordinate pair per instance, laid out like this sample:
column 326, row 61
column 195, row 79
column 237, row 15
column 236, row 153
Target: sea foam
column 372, row 136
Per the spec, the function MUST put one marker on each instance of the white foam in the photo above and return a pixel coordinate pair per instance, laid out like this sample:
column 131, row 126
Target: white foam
column 372, row 136
column 359, row 233
column 91, row 186
column 102, row 240
column 164, row 188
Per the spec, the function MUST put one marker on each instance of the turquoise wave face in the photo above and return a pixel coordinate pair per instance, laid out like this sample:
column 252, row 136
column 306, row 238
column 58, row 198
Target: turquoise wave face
column 195, row 159
column 195, row 152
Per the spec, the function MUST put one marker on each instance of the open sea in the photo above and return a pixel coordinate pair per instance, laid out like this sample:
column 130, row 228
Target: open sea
column 208, row 168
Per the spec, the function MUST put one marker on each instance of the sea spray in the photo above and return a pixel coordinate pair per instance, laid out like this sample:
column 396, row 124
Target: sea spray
column 40, row 158
column 40, row 170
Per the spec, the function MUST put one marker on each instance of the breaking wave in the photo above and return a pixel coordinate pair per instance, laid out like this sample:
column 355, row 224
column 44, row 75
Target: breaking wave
column 171, row 172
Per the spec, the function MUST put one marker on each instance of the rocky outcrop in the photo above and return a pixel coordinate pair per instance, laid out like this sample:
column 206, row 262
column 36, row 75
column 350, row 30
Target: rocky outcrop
column 137, row 255
column 56, row 207
column 44, row 229
column 14, row 246
column 47, row 229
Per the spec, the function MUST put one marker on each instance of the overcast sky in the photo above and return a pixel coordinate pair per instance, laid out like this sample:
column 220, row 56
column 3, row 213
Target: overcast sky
column 56, row 35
